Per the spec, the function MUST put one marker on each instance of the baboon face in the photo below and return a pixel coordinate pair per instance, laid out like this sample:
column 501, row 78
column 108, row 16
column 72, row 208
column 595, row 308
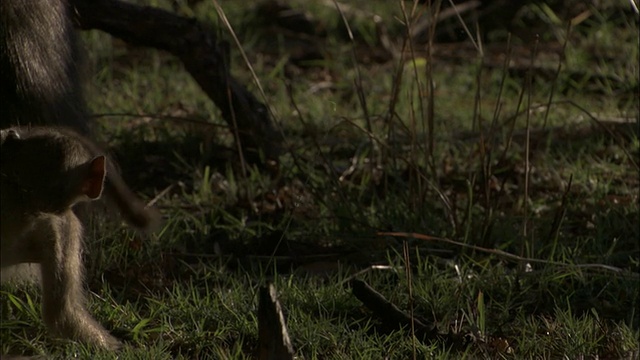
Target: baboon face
column 35, row 164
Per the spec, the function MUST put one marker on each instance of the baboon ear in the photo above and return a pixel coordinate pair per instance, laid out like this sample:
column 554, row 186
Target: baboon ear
column 93, row 182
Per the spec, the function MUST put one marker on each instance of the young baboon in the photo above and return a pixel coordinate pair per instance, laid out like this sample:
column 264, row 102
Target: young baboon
column 40, row 77
column 44, row 172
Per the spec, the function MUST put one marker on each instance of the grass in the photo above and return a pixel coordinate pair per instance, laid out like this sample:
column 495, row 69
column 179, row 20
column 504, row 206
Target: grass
column 359, row 163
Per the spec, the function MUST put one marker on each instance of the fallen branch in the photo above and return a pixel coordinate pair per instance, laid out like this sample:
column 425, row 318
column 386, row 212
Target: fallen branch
column 390, row 315
column 510, row 256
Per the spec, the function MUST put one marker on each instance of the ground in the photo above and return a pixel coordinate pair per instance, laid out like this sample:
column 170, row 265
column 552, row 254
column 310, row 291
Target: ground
column 487, row 186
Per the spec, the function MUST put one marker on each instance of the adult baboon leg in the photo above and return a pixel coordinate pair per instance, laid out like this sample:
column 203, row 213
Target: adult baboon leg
column 40, row 74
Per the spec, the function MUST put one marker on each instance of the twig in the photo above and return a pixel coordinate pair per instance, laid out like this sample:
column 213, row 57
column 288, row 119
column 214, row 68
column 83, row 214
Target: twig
column 509, row 256
column 407, row 271
column 554, row 231
column 389, row 313
column 527, row 154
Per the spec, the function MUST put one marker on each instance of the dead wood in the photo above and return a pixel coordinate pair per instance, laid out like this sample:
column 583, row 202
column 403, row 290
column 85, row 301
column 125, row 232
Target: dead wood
column 390, row 314
column 272, row 331
column 203, row 55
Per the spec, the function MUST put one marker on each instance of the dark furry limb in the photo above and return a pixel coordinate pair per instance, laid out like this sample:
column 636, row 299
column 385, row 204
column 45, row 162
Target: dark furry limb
column 39, row 68
column 203, row 55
